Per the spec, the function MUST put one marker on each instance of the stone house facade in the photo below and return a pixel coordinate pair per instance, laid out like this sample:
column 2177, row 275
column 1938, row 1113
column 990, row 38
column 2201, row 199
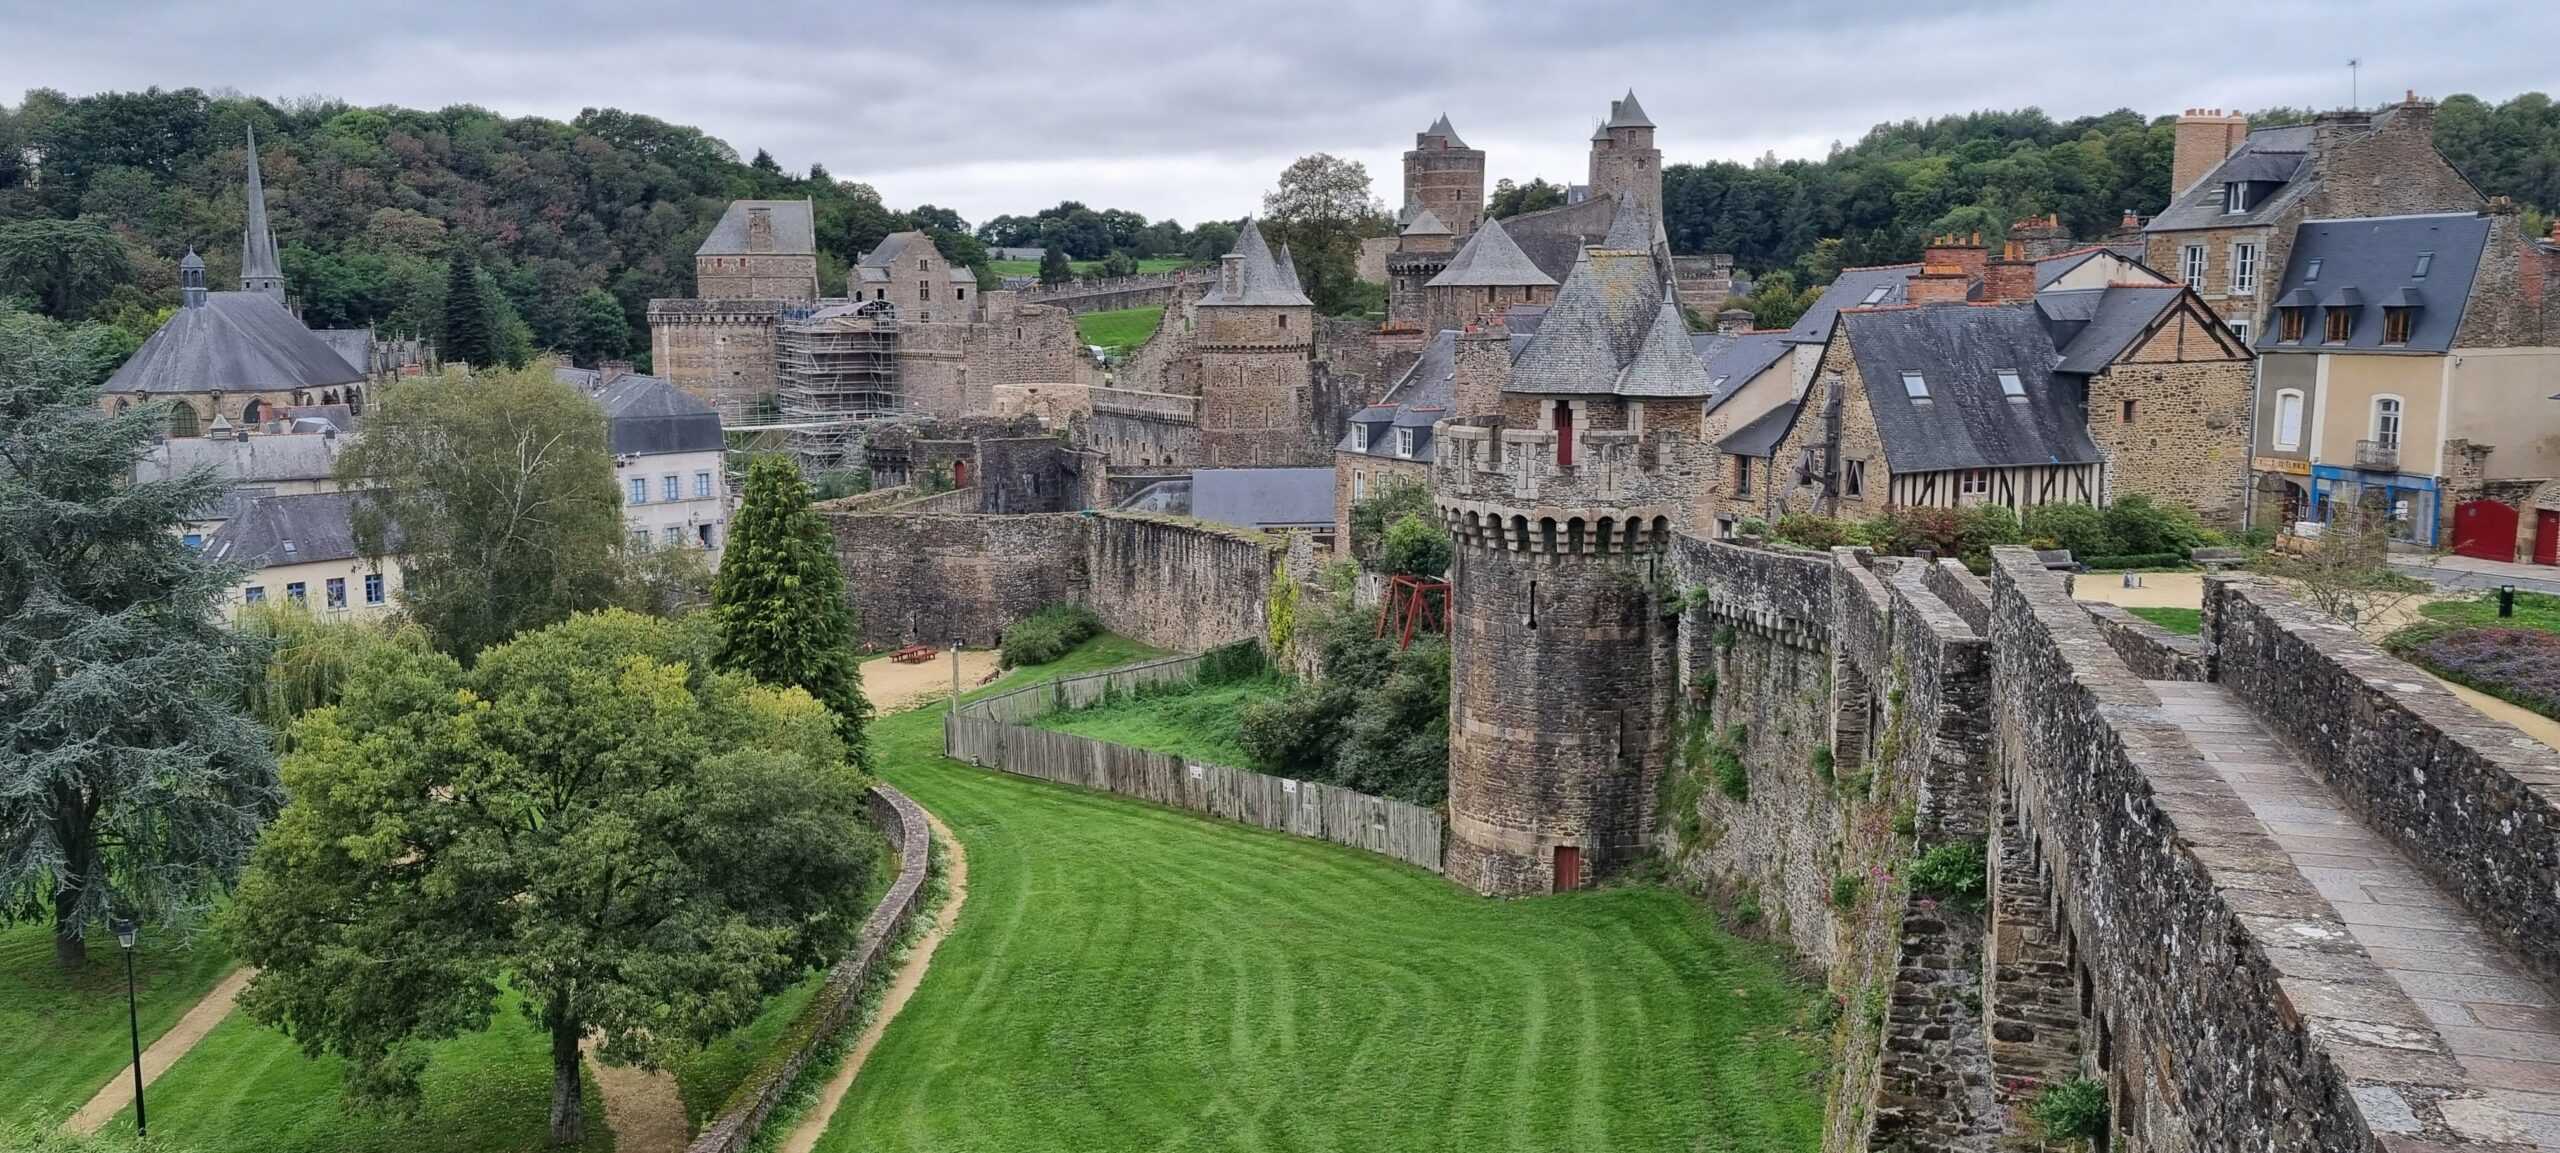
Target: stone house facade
column 907, row 270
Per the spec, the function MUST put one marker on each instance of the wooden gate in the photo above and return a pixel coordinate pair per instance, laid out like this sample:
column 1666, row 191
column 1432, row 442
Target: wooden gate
column 2546, row 536
column 1568, row 868
column 2484, row 529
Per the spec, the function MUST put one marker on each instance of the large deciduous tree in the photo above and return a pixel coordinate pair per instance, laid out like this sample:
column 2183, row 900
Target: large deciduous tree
column 644, row 847
column 130, row 781
column 1321, row 209
column 780, row 600
column 496, row 491
column 66, row 266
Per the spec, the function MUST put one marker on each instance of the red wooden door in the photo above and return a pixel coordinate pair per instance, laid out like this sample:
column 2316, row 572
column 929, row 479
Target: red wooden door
column 1564, row 434
column 2546, row 536
column 1568, row 868
column 960, row 472
column 2484, row 529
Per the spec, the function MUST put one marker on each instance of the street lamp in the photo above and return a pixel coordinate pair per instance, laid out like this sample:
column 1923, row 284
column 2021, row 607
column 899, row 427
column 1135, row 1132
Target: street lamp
column 126, row 931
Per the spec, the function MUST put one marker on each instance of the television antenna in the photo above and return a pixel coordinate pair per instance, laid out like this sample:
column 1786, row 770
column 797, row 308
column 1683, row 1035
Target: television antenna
column 2355, row 76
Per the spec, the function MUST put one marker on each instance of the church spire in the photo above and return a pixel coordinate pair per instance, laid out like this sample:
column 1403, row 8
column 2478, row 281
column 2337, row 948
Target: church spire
column 260, row 269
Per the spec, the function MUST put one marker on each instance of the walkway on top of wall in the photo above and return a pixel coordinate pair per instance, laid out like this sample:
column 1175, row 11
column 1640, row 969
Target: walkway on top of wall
column 2502, row 1025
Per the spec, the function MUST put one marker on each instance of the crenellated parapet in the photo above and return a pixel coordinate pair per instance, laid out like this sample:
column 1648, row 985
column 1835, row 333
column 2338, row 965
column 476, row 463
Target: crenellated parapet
column 1501, row 487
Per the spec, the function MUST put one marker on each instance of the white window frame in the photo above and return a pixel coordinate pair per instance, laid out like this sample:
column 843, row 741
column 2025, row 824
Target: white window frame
column 2011, row 385
column 1853, row 478
column 1404, row 443
column 1915, row 386
column 2399, row 413
column 2240, row 328
column 334, row 593
column 2235, row 197
column 674, row 535
column 375, row 588
column 671, row 488
column 2191, row 267
column 1359, row 438
column 702, row 485
column 2244, row 268
column 2288, row 434
column 639, row 490
column 1973, row 482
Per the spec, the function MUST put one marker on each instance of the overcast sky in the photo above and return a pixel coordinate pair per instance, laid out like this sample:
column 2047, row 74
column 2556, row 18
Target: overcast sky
column 1189, row 108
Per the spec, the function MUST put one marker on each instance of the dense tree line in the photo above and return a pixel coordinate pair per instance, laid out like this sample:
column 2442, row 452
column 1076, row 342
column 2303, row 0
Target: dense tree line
column 1084, row 233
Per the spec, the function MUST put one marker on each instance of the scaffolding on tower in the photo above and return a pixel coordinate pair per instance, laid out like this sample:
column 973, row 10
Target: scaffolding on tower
column 836, row 370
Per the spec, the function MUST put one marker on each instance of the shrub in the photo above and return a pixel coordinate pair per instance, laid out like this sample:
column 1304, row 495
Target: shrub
column 2139, row 527
column 1416, row 547
column 2077, row 527
column 1986, row 526
column 1953, row 871
column 1845, row 889
column 1746, row 909
column 2074, row 1110
column 1229, row 663
column 1732, row 778
column 1295, row 735
column 1047, row 635
column 1906, row 531
column 1390, row 503
column 1811, row 531
column 2134, row 560
column 1822, row 761
column 1751, row 526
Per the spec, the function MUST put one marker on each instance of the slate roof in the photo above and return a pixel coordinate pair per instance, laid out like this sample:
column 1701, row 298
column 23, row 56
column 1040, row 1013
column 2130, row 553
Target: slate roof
column 1733, row 361
column 256, row 460
column 353, row 345
column 649, row 414
column 793, row 232
column 2094, row 326
column 258, row 259
column 1627, row 113
column 1426, row 223
column 1490, row 257
column 1263, row 497
column 1266, row 280
column 1441, row 128
column 1628, row 229
column 1612, row 329
column 891, row 247
column 1665, row 364
column 1764, row 433
column 281, row 530
column 2267, row 154
column 2369, row 263
column 1426, row 393
column 1967, row 422
column 235, row 342
column 1553, row 237
column 1850, row 290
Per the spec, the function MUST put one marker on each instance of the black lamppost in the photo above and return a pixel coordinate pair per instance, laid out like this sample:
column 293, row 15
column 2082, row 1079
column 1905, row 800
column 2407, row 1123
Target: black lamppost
column 125, row 933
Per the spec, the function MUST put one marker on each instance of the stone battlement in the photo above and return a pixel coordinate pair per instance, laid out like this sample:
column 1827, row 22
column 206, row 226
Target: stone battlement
column 1486, row 468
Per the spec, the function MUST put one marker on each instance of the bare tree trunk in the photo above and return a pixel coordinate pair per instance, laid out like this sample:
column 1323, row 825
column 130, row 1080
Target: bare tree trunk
column 568, row 1106
column 73, row 828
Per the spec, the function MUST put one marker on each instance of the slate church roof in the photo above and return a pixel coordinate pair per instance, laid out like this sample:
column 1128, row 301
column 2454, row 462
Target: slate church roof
column 1614, row 328
column 235, row 342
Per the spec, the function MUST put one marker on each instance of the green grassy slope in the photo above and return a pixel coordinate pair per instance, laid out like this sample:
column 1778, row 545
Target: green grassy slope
column 1128, row 977
column 1120, row 327
column 1197, row 724
column 2176, row 620
column 62, row 1035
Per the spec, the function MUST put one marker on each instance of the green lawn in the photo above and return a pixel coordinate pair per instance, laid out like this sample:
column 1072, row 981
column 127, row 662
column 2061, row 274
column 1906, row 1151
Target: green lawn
column 1147, row 264
column 1128, row 977
column 248, row 1088
column 2533, row 611
column 1190, row 721
column 62, row 1035
column 1120, row 327
column 2187, row 621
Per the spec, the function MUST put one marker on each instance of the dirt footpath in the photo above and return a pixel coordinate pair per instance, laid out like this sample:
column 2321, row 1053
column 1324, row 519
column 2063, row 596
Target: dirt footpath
column 117, row 1096
column 893, row 686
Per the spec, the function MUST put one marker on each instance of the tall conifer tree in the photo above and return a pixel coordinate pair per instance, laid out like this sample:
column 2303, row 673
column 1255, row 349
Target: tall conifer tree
column 780, row 600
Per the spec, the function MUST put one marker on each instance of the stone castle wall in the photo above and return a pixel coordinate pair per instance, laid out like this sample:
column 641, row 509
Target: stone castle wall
column 721, row 351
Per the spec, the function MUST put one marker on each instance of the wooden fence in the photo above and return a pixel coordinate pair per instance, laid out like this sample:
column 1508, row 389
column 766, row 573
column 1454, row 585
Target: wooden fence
column 991, row 733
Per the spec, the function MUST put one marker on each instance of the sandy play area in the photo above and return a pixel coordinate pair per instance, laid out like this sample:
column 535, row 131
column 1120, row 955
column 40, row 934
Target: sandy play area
column 893, row 686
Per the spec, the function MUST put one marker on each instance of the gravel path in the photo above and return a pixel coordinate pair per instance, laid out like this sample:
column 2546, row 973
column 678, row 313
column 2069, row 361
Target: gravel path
column 117, row 1095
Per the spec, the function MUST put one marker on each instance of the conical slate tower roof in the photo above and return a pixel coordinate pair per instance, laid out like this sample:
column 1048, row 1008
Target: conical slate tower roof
column 1426, row 223
column 1288, row 269
column 260, row 268
column 1666, row 363
column 1442, row 129
column 1490, row 258
column 1627, row 113
column 1628, row 230
column 1595, row 328
column 1262, row 279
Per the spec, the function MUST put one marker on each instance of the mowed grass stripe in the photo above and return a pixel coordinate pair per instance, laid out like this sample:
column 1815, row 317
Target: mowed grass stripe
column 64, row 1035
column 1129, row 977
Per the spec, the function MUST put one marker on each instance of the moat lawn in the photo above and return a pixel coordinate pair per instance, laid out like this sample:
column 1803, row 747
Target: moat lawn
column 1194, row 722
column 62, row 1035
column 1128, row 977
column 1120, row 328
column 1147, row 265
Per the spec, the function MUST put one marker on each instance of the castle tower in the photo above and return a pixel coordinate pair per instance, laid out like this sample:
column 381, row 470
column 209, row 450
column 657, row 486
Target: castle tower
column 1446, row 177
column 261, row 270
column 1623, row 156
column 1562, row 648
column 1256, row 338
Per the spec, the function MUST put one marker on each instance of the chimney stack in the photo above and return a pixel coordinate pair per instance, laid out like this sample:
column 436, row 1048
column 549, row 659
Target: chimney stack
column 1482, row 368
column 2205, row 138
column 2038, row 237
column 1940, row 284
column 2012, row 277
column 1964, row 252
column 1733, row 320
column 609, row 371
column 759, row 228
column 1231, row 275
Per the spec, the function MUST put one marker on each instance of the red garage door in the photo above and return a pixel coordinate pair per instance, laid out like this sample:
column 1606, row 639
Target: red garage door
column 2484, row 529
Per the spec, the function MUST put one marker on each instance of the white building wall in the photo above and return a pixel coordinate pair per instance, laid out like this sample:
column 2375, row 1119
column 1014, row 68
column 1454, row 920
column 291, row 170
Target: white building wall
column 700, row 504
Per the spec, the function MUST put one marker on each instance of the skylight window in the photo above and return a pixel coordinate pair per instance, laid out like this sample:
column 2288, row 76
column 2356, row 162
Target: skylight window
column 2311, row 271
column 2426, row 260
column 2012, row 387
column 1915, row 386
column 1877, row 293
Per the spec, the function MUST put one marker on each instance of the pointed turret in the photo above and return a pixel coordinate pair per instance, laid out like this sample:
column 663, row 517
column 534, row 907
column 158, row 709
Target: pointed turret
column 261, row 270
column 1627, row 113
column 1426, row 223
column 1252, row 275
column 1666, row 363
column 191, row 280
column 1628, row 230
column 1441, row 130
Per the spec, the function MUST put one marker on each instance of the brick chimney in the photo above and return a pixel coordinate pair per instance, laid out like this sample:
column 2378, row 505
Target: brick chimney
column 1733, row 320
column 1231, row 275
column 2129, row 228
column 609, row 371
column 1940, row 284
column 2038, row 237
column 1482, row 368
column 759, row 229
column 1963, row 252
column 2206, row 137
column 2011, row 277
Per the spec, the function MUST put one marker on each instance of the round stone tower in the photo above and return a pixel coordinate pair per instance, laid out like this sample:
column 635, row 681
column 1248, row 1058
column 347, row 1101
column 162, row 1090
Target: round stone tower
column 1562, row 655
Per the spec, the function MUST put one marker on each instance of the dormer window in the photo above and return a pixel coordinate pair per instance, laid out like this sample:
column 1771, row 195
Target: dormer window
column 2012, row 387
column 2426, row 260
column 2289, row 325
column 1915, row 386
column 2341, row 324
column 1359, row 438
column 1404, row 443
column 2395, row 325
column 2235, row 196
